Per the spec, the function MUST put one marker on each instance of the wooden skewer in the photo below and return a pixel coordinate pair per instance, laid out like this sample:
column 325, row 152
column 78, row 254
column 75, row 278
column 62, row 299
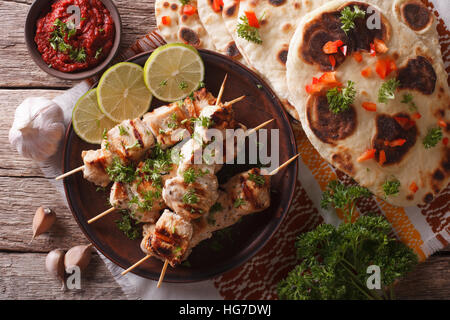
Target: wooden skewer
column 70, row 173
column 229, row 103
column 219, row 96
column 136, row 264
column 274, row 172
column 262, row 125
column 163, row 273
column 101, row 215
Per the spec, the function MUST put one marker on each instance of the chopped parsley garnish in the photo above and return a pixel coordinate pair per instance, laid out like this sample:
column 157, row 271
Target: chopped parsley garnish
column 190, row 197
column 191, row 175
column 136, row 145
column 201, row 85
column 391, row 188
column 259, row 180
column 245, row 31
column 118, row 172
column 340, row 99
column 408, row 99
column 387, row 90
column 163, row 83
column 185, row 2
column 58, row 43
column 98, row 53
column 173, row 123
column 239, row 202
column 183, row 85
column 343, row 197
column 128, row 227
column 205, row 122
column 348, row 17
column 149, row 198
column 122, row 131
column 157, row 165
column 432, row 138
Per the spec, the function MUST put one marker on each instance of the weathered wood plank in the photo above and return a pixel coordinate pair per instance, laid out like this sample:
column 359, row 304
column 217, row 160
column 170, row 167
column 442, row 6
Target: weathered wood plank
column 23, row 276
column 19, row 70
column 430, row 280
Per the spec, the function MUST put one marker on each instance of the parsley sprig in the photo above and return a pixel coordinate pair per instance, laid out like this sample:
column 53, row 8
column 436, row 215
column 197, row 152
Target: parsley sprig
column 247, row 32
column 432, row 138
column 348, row 17
column 128, row 227
column 58, row 42
column 333, row 261
column 387, row 90
column 340, row 99
column 119, row 172
column 391, row 187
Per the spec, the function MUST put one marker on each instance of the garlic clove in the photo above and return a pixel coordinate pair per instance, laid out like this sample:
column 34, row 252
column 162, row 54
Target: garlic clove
column 54, row 264
column 42, row 221
column 79, row 256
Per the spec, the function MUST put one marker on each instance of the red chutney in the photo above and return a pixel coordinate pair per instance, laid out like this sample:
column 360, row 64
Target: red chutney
column 69, row 50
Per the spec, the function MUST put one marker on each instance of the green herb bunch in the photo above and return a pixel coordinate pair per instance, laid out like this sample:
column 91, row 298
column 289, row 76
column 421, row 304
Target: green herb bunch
column 340, row 99
column 334, row 260
column 247, row 32
column 57, row 40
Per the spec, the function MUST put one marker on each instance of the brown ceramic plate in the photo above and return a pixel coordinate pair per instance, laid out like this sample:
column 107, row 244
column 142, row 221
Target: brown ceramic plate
column 225, row 250
column 41, row 7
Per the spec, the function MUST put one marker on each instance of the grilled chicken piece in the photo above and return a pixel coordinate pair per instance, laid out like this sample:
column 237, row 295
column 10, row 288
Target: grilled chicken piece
column 170, row 124
column 95, row 164
column 249, row 192
column 169, row 239
column 119, row 196
column 191, row 200
column 129, row 141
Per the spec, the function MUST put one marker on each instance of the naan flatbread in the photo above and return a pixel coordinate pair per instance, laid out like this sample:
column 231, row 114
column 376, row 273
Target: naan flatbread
column 342, row 138
column 215, row 26
column 181, row 27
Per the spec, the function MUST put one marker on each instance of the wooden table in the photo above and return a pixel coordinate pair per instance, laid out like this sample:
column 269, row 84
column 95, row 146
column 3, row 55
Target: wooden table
column 24, row 188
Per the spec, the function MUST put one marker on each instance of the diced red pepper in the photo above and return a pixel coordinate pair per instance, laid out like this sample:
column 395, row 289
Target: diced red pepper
column 405, row 123
column 445, row 141
column 373, row 52
column 382, row 159
column 367, row 155
column 332, row 46
column 166, row 20
column 327, row 80
column 442, row 124
column 396, row 143
column 369, row 106
column 366, row 72
column 217, row 5
column 252, row 19
column 380, row 46
column 332, row 61
column 189, row 10
column 413, row 187
column 416, row 115
column 357, row 56
column 384, row 67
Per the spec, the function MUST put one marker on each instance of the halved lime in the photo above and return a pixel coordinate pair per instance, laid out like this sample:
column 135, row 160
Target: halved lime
column 173, row 71
column 122, row 93
column 88, row 120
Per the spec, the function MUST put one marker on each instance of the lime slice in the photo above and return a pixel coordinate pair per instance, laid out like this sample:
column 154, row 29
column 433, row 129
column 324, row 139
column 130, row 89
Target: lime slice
column 122, row 93
column 87, row 119
column 173, row 71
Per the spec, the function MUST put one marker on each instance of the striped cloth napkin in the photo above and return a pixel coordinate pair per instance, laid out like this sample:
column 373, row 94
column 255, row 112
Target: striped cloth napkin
column 425, row 228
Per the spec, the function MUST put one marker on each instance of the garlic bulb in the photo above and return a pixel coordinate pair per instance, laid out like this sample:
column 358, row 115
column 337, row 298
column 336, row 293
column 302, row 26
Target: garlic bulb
column 37, row 129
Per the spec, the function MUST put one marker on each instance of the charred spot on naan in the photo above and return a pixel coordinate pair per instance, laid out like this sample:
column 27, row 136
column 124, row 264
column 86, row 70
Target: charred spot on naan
column 166, row 4
column 231, row 50
column 174, row 7
column 326, row 125
column 282, row 55
column 388, row 129
column 416, row 15
column 327, row 27
column 231, row 11
column 343, row 159
column 419, row 75
column 189, row 36
column 277, row 3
